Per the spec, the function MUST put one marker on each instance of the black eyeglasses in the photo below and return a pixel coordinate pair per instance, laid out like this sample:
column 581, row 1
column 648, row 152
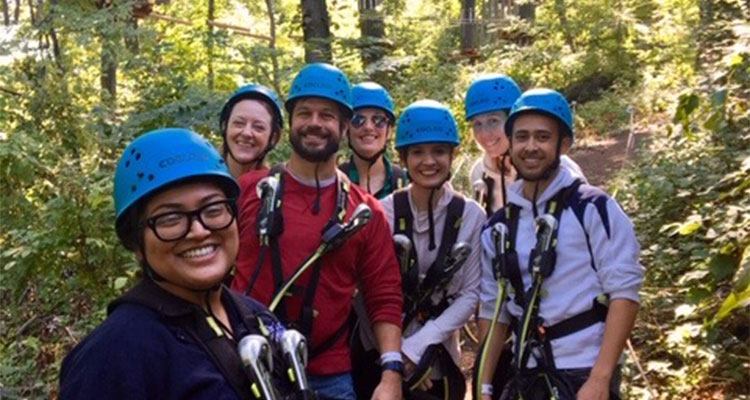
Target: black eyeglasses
column 175, row 225
column 378, row 121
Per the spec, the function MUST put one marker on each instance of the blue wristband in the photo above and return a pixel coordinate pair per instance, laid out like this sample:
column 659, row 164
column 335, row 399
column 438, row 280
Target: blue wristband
column 395, row 366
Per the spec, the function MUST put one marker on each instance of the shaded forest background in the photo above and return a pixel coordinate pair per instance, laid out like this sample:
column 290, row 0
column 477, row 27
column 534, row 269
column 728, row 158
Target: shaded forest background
column 81, row 79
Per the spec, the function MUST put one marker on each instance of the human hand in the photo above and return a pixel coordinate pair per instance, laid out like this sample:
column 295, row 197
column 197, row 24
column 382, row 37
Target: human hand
column 389, row 387
column 594, row 389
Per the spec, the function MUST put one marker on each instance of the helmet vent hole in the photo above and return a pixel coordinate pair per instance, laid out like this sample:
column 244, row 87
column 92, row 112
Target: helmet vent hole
column 140, row 175
column 127, row 164
column 138, row 156
column 150, row 177
column 133, row 188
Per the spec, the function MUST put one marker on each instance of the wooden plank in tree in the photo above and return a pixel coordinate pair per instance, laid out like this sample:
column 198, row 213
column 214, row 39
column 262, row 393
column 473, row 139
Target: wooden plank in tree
column 239, row 30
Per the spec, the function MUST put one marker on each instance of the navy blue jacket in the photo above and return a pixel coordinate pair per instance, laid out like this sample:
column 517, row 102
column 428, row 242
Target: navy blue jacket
column 138, row 353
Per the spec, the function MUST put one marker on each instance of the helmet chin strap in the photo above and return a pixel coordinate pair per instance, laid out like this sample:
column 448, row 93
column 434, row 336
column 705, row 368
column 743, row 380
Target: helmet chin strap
column 370, row 160
column 544, row 176
column 430, row 211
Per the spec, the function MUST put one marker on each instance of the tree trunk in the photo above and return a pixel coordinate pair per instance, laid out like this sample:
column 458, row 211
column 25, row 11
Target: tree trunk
column 32, row 14
column 272, row 45
column 17, row 12
column 131, row 38
column 56, row 51
column 468, row 25
column 108, row 77
column 527, row 12
column 210, row 43
column 6, row 13
column 562, row 11
column 317, row 34
column 108, row 66
column 372, row 31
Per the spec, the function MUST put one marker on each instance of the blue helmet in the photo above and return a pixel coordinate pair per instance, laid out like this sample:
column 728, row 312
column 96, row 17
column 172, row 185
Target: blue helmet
column 163, row 157
column 321, row 80
column 545, row 101
column 426, row 121
column 371, row 94
column 252, row 91
column 491, row 93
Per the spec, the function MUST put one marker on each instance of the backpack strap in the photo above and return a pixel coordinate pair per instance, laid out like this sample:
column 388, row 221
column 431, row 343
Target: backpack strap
column 578, row 201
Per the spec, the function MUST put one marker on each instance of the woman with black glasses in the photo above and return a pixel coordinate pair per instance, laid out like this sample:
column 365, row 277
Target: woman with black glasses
column 178, row 333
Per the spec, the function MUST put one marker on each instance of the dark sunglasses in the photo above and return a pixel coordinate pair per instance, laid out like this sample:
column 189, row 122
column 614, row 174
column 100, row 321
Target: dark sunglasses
column 378, row 121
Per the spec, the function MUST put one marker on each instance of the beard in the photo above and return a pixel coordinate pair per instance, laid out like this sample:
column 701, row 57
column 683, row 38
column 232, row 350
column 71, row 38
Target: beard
column 313, row 155
column 529, row 176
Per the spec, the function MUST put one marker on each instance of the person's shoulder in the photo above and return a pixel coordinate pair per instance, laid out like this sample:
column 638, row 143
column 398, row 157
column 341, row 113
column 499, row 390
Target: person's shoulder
column 130, row 333
column 477, row 168
column 133, row 325
column 250, row 179
column 474, row 210
column 589, row 193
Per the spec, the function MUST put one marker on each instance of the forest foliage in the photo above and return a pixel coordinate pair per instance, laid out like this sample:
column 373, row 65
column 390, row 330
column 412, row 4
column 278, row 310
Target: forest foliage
column 672, row 62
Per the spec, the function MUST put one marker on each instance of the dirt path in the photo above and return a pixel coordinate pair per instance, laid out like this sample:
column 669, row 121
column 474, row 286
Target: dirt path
column 603, row 158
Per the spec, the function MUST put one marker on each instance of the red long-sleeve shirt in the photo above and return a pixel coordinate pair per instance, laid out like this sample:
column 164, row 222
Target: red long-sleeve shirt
column 366, row 258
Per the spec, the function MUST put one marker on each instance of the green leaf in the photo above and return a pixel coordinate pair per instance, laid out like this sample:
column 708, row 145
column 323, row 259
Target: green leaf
column 686, row 104
column 120, row 282
column 690, row 226
column 731, row 303
column 722, row 266
column 719, row 98
column 741, row 281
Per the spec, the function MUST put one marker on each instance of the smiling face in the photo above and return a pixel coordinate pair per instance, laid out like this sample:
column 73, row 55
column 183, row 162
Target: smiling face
column 534, row 145
column 369, row 138
column 249, row 130
column 429, row 164
column 202, row 258
column 316, row 128
column 489, row 132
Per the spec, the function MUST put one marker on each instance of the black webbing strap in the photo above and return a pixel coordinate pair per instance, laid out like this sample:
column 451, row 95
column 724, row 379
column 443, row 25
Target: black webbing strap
column 512, row 269
column 542, row 335
column 403, row 222
column 436, row 274
column 597, row 313
column 399, row 178
column 346, row 168
column 304, row 322
column 267, row 235
column 489, row 196
column 436, row 278
column 453, row 382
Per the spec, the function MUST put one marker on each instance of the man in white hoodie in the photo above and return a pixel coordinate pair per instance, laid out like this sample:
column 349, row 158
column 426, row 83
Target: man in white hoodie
column 571, row 344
